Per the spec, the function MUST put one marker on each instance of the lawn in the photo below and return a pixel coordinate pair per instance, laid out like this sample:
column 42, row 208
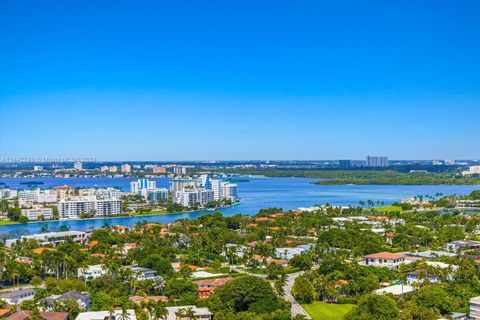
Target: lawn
column 327, row 311
column 5, row 222
column 388, row 209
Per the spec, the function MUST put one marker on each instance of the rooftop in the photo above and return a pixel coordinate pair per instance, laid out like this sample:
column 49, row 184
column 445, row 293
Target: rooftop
column 385, row 255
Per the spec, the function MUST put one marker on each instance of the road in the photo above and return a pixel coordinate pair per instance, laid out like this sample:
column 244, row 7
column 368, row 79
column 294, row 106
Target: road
column 296, row 307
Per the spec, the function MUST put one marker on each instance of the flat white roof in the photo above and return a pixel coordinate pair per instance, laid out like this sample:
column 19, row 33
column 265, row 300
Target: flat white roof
column 198, row 311
column 397, row 289
column 101, row 315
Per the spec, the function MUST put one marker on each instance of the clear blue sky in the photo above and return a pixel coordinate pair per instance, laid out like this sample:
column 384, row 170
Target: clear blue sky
column 174, row 80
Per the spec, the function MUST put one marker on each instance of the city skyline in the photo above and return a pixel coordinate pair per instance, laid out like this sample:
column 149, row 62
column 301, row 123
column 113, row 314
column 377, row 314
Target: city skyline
column 183, row 81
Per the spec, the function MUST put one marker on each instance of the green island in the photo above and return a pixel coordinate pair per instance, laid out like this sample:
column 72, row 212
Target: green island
column 367, row 177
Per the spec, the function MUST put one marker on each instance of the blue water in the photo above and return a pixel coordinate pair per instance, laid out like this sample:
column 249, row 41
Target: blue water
column 286, row 193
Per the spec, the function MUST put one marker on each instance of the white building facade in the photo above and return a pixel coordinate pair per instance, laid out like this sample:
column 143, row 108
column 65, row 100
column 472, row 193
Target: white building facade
column 73, row 207
column 34, row 214
column 190, row 198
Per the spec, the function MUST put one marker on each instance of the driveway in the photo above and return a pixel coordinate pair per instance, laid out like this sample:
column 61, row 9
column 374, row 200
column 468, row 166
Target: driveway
column 296, row 307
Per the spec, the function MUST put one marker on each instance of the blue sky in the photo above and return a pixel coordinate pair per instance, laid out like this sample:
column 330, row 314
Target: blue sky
column 185, row 80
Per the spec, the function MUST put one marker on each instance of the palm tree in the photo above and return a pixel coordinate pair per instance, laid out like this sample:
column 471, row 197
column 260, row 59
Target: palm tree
column 185, row 314
column 160, row 312
column 124, row 315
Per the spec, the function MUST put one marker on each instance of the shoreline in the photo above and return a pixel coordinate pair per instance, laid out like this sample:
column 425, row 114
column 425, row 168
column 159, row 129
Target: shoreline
column 116, row 217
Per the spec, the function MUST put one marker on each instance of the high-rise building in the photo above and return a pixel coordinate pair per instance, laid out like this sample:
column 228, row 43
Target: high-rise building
column 377, row 161
column 37, row 196
column 148, row 189
column 126, row 168
column 344, row 164
column 73, row 207
column 224, row 190
column 204, row 181
column 37, row 213
column 180, row 170
column 194, row 197
column 8, row 193
column 136, row 186
column 104, row 168
column 37, row 168
column 113, row 169
column 155, row 195
column 158, row 170
column 180, row 184
column 77, row 166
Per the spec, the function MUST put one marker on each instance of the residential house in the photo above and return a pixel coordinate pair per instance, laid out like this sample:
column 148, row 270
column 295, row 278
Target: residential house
column 106, row 315
column 82, row 300
column 141, row 273
column 179, row 313
column 26, row 314
column 455, row 246
column 92, row 272
column 396, row 290
column 289, row 253
column 430, row 254
column 17, row 296
column 208, row 286
column 384, row 259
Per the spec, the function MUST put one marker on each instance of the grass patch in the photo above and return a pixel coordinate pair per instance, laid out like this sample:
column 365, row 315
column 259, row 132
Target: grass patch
column 147, row 213
column 5, row 222
column 327, row 311
column 388, row 209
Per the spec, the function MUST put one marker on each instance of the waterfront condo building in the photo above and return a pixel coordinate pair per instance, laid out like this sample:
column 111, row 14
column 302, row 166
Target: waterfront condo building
column 136, row 186
column 37, row 196
column 192, row 197
column 73, row 207
column 148, row 190
column 224, row 190
column 155, row 195
column 376, row 161
column 38, row 213
column 77, row 166
column 182, row 184
column 8, row 193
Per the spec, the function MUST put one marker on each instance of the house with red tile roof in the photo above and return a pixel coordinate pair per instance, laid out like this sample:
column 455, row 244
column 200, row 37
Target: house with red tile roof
column 384, row 259
column 208, row 286
column 25, row 314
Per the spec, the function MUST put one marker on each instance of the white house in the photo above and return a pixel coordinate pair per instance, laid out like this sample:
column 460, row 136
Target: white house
column 54, row 238
column 384, row 259
column 455, row 246
column 396, row 290
column 200, row 313
column 17, row 296
column 92, row 272
column 102, row 315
